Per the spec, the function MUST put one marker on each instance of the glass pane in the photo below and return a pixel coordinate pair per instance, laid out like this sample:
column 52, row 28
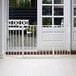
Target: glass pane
column 46, row 21
column 75, row 11
column 74, row 1
column 58, row 11
column 74, row 22
column 59, row 21
column 23, row 9
column 58, row 1
column 47, row 10
column 47, row 1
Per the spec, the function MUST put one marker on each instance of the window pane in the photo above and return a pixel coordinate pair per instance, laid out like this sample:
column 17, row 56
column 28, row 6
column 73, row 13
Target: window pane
column 47, row 21
column 58, row 21
column 74, row 22
column 23, row 9
column 58, row 10
column 58, row 1
column 47, row 1
column 47, row 10
column 74, row 11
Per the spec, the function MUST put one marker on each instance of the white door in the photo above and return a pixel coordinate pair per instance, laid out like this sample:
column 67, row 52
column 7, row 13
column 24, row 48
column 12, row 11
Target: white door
column 53, row 27
column 73, row 24
column 53, row 24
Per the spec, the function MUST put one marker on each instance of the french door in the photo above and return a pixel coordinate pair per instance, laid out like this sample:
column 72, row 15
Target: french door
column 73, row 24
column 54, row 24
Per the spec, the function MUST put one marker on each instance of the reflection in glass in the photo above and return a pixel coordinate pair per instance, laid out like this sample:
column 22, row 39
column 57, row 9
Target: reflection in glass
column 74, row 1
column 23, row 10
column 47, row 21
column 74, row 22
column 47, row 10
column 74, row 11
column 58, row 1
column 58, row 21
column 47, row 1
column 58, row 10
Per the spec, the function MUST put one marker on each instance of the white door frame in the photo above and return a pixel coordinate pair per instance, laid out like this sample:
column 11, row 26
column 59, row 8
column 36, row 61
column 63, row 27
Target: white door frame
column 73, row 28
column 68, row 23
column 5, row 17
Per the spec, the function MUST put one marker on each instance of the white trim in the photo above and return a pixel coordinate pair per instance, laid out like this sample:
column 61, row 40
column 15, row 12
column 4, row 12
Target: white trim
column 5, row 15
column 68, row 23
column 39, row 14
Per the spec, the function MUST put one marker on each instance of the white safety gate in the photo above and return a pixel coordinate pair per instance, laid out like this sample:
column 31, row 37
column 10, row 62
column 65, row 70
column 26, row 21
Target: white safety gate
column 21, row 35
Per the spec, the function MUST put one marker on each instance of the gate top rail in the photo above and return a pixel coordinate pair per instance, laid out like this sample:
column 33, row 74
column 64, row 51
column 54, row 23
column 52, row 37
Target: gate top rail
column 13, row 23
column 18, row 24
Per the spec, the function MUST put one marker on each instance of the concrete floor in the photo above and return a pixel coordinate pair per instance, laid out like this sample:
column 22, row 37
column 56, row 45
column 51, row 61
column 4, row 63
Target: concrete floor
column 52, row 66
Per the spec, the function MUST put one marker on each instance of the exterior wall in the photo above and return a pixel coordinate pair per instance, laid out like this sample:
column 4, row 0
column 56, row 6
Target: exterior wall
column 3, row 25
column 0, row 27
column 5, row 14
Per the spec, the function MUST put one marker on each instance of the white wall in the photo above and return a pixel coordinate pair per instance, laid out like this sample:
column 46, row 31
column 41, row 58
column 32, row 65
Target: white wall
column 0, row 27
column 3, row 24
column 64, row 66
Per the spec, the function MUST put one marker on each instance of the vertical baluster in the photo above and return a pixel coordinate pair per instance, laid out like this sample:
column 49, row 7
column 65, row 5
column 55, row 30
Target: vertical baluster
column 33, row 37
column 35, row 33
column 19, row 37
column 11, row 40
column 8, row 38
column 30, row 36
column 23, row 37
column 27, row 35
column 25, row 41
column 15, row 39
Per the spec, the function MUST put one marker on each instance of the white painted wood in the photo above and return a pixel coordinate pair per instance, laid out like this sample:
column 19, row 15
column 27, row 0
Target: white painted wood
column 67, row 23
column 17, row 39
column 54, row 38
column 5, row 15
column 73, row 28
column 3, row 23
column 39, row 14
column 0, row 28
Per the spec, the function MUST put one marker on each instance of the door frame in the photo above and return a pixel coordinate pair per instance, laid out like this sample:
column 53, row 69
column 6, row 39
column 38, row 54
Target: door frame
column 5, row 17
